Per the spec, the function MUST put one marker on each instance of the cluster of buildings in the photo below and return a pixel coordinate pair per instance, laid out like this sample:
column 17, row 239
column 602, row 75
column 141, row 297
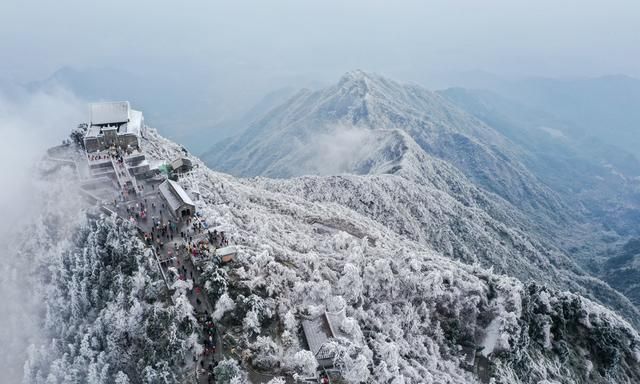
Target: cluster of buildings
column 112, row 143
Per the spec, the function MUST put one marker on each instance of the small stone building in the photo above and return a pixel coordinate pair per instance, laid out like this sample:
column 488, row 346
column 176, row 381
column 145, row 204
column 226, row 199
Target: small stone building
column 178, row 202
column 227, row 254
column 181, row 165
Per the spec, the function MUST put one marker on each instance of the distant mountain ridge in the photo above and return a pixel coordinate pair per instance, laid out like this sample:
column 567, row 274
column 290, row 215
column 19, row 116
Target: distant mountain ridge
column 602, row 178
column 278, row 144
column 606, row 108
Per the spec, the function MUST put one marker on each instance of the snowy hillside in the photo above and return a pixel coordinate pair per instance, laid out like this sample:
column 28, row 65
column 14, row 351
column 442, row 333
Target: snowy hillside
column 603, row 178
column 422, row 316
column 459, row 232
column 458, row 185
column 105, row 314
column 412, row 314
column 299, row 137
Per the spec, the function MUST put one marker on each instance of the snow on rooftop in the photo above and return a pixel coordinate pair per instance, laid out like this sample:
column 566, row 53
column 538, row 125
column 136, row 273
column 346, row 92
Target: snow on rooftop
column 93, row 131
column 229, row 250
column 115, row 112
column 175, row 195
column 321, row 329
column 181, row 192
column 180, row 161
column 172, row 199
column 318, row 332
column 135, row 122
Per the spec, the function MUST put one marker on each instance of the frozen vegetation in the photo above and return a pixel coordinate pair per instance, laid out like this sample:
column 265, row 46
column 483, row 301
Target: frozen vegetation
column 107, row 317
column 430, row 171
column 422, row 317
column 287, row 141
column 441, row 249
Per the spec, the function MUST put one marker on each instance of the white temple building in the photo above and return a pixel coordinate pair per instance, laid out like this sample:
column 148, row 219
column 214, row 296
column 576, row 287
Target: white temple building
column 114, row 124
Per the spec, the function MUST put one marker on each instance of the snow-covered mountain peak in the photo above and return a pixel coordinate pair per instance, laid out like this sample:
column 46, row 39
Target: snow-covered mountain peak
column 356, row 75
column 376, row 95
column 278, row 144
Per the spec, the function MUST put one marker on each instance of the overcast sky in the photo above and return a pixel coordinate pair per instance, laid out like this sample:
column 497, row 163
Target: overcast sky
column 408, row 39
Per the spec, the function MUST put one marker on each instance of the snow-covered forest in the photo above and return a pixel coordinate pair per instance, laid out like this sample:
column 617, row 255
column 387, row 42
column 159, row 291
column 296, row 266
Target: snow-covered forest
column 422, row 275
column 106, row 316
column 412, row 312
column 414, row 315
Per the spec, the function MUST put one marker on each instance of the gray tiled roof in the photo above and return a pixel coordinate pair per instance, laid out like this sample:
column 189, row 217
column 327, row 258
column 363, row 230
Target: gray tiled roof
column 175, row 196
column 321, row 329
column 318, row 332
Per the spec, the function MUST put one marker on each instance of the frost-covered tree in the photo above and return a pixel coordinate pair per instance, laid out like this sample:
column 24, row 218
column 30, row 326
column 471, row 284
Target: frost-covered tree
column 215, row 279
column 223, row 305
column 266, row 354
column 228, row 371
column 77, row 136
column 304, row 363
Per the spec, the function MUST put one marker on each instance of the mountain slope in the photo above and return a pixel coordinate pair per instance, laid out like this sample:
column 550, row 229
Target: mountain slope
column 372, row 102
column 465, row 233
column 411, row 314
column 603, row 178
column 621, row 269
column 463, row 185
column 423, row 317
column 103, row 311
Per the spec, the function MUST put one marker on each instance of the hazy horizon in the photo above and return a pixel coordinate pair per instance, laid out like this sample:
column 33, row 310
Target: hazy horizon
column 412, row 40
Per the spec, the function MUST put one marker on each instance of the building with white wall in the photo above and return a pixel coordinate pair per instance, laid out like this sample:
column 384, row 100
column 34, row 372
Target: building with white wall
column 113, row 124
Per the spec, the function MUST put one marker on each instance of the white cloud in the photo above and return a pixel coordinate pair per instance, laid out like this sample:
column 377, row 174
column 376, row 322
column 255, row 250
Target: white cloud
column 338, row 150
column 29, row 123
